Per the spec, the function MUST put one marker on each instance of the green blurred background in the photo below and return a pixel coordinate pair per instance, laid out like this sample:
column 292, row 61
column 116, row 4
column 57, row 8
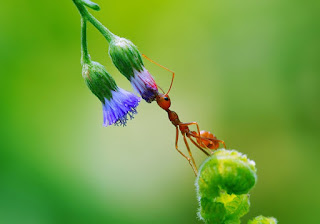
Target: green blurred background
column 246, row 70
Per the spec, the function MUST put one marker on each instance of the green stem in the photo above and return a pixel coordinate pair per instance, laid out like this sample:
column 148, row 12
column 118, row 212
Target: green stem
column 85, row 57
column 87, row 15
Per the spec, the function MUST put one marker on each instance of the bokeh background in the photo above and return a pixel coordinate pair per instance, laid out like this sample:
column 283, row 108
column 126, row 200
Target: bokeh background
column 246, row 70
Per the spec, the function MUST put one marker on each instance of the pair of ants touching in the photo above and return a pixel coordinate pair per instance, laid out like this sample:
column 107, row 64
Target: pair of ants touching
column 203, row 140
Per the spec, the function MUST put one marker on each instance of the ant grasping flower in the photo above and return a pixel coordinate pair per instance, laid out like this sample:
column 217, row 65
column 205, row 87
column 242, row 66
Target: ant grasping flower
column 204, row 140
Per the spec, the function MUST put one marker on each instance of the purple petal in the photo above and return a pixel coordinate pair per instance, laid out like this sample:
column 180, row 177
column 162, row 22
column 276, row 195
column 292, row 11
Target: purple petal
column 116, row 109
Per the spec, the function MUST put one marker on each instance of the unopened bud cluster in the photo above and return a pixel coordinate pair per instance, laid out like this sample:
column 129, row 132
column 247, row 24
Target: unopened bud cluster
column 223, row 184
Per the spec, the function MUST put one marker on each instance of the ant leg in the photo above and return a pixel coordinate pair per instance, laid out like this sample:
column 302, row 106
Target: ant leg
column 222, row 142
column 198, row 129
column 161, row 67
column 209, row 139
column 201, row 146
column 195, row 123
column 191, row 123
column 177, row 137
column 198, row 146
column 195, row 170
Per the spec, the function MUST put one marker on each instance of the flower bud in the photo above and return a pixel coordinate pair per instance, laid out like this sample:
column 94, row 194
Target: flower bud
column 117, row 103
column 263, row 220
column 223, row 183
column 127, row 59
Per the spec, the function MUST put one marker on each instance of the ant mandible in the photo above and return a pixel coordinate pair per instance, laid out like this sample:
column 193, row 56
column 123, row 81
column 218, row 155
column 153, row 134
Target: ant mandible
column 205, row 140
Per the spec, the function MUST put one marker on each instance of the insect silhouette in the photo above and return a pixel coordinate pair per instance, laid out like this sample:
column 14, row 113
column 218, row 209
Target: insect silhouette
column 203, row 140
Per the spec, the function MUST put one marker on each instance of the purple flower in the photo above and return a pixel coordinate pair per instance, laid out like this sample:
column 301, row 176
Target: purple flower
column 118, row 107
column 144, row 84
column 117, row 103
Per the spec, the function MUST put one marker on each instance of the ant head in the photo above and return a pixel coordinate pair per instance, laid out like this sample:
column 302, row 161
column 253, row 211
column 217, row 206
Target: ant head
column 163, row 101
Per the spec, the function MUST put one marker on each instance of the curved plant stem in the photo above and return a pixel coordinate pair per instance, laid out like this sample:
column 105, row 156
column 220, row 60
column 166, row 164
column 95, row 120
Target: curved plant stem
column 89, row 17
column 85, row 57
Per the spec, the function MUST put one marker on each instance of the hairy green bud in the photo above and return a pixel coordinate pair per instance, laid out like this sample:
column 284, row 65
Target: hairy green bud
column 117, row 104
column 127, row 59
column 125, row 56
column 98, row 80
column 263, row 220
column 222, row 185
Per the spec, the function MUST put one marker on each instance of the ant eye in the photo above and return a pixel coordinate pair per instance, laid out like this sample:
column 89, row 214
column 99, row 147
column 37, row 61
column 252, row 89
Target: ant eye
column 166, row 98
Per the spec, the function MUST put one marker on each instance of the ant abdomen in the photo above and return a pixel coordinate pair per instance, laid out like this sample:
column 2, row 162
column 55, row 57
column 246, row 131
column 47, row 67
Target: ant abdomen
column 208, row 140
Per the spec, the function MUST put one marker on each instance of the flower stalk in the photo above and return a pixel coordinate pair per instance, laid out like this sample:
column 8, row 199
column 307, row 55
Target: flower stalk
column 85, row 57
column 117, row 104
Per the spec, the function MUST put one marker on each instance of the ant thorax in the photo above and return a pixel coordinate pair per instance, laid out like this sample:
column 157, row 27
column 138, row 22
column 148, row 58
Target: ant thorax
column 173, row 117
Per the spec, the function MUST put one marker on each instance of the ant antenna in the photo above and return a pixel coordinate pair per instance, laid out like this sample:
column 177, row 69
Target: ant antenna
column 164, row 69
column 161, row 89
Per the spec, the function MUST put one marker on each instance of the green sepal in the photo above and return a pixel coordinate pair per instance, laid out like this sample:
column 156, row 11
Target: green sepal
column 263, row 220
column 98, row 80
column 125, row 56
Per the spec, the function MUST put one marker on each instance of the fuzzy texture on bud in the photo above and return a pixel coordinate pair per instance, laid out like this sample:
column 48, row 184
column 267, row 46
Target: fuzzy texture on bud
column 126, row 57
column 117, row 103
column 223, row 183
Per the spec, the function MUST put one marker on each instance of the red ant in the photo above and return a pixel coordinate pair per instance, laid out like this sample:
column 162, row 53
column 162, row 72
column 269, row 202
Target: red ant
column 204, row 139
